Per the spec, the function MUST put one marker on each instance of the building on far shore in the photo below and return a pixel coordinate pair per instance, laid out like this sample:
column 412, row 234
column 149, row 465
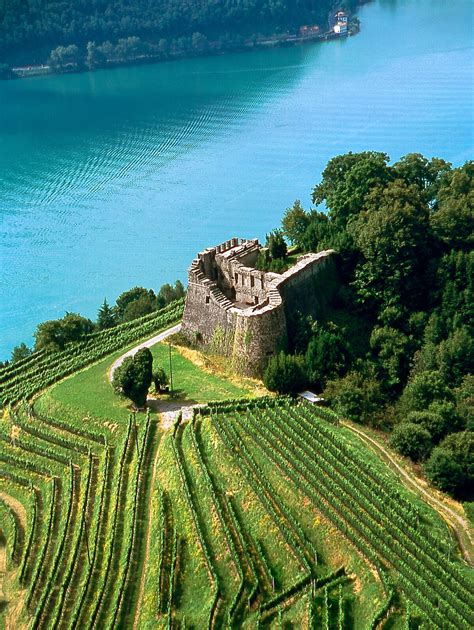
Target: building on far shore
column 241, row 312
column 309, row 30
column 340, row 27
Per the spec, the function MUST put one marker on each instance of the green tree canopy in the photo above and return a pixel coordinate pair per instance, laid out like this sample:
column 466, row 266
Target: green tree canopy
column 444, row 471
column 452, row 218
column 276, row 245
column 392, row 351
column 455, row 356
column 144, row 299
column 55, row 334
column 425, row 174
column 169, row 293
column 412, row 440
column 356, row 396
column 422, row 390
column 322, row 234
column 346, row 182
column 392, row 234
column 327, row 354
column 64, row 55
column 464, row 395
column 436, row 424
column 294, row 223
column 451, row 465
column 285, row 374
column 133, row 378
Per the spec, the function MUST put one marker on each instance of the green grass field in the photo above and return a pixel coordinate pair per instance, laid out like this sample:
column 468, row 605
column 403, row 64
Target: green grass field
column 192, row 384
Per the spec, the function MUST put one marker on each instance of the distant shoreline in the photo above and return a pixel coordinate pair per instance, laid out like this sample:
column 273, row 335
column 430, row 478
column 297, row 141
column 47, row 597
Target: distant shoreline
column 274, row 41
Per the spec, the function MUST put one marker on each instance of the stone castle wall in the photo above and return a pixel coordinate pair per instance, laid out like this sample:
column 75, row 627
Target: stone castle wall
column 242, row 312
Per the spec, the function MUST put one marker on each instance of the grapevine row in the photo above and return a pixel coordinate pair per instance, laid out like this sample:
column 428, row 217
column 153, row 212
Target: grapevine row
column 112, row 535
column 176, row 444
column 409, row 567
column 223, row 521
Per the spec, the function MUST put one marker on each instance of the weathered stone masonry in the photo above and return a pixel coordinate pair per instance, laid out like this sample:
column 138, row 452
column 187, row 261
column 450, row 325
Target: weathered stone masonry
column 242, row 312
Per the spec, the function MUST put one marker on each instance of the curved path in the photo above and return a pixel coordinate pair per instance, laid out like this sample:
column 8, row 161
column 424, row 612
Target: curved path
column 145, row 344
column 458, row 524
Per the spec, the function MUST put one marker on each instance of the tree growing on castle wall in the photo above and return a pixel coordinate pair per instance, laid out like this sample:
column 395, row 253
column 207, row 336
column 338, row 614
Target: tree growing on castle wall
column 273, row 257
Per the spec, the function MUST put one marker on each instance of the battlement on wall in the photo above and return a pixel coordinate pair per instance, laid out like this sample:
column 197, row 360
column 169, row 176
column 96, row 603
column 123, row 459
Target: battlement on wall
column 239, row 310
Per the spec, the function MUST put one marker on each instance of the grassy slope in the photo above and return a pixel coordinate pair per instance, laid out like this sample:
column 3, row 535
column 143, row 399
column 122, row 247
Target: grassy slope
column 89, row 393
column 190, row 382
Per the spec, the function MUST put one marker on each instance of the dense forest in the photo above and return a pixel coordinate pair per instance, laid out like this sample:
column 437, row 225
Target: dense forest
column 31, row 29
column 395, row 349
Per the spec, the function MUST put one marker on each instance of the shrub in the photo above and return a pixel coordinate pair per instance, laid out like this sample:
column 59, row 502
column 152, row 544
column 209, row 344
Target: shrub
column 285, row 374
column 444, row 471
column 411, row 440
column 356, row 396
column 160, row 379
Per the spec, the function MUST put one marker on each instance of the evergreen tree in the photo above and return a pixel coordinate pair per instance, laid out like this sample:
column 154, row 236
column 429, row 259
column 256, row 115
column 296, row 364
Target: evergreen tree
column 105, row 317
column 20, row 352
column 327, row 355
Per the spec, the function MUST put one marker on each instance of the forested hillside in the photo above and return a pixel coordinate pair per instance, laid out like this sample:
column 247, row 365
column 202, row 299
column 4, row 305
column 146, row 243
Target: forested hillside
column 29, row 29
column 396, row 348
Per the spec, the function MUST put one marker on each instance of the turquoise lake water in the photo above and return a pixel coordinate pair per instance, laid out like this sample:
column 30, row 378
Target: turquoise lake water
column 117, row 178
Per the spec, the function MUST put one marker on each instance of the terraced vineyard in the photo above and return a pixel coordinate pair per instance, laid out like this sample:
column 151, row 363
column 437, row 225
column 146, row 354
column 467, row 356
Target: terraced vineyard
column 228, row 527
column 23, row 379
column 257, row 513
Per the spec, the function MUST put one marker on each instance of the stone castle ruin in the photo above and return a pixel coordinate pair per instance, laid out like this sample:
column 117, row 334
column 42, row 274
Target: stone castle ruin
column 236, row 310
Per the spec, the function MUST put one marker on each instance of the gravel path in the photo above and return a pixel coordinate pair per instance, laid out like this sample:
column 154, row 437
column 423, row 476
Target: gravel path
column 145, row 344
column 459, row 524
